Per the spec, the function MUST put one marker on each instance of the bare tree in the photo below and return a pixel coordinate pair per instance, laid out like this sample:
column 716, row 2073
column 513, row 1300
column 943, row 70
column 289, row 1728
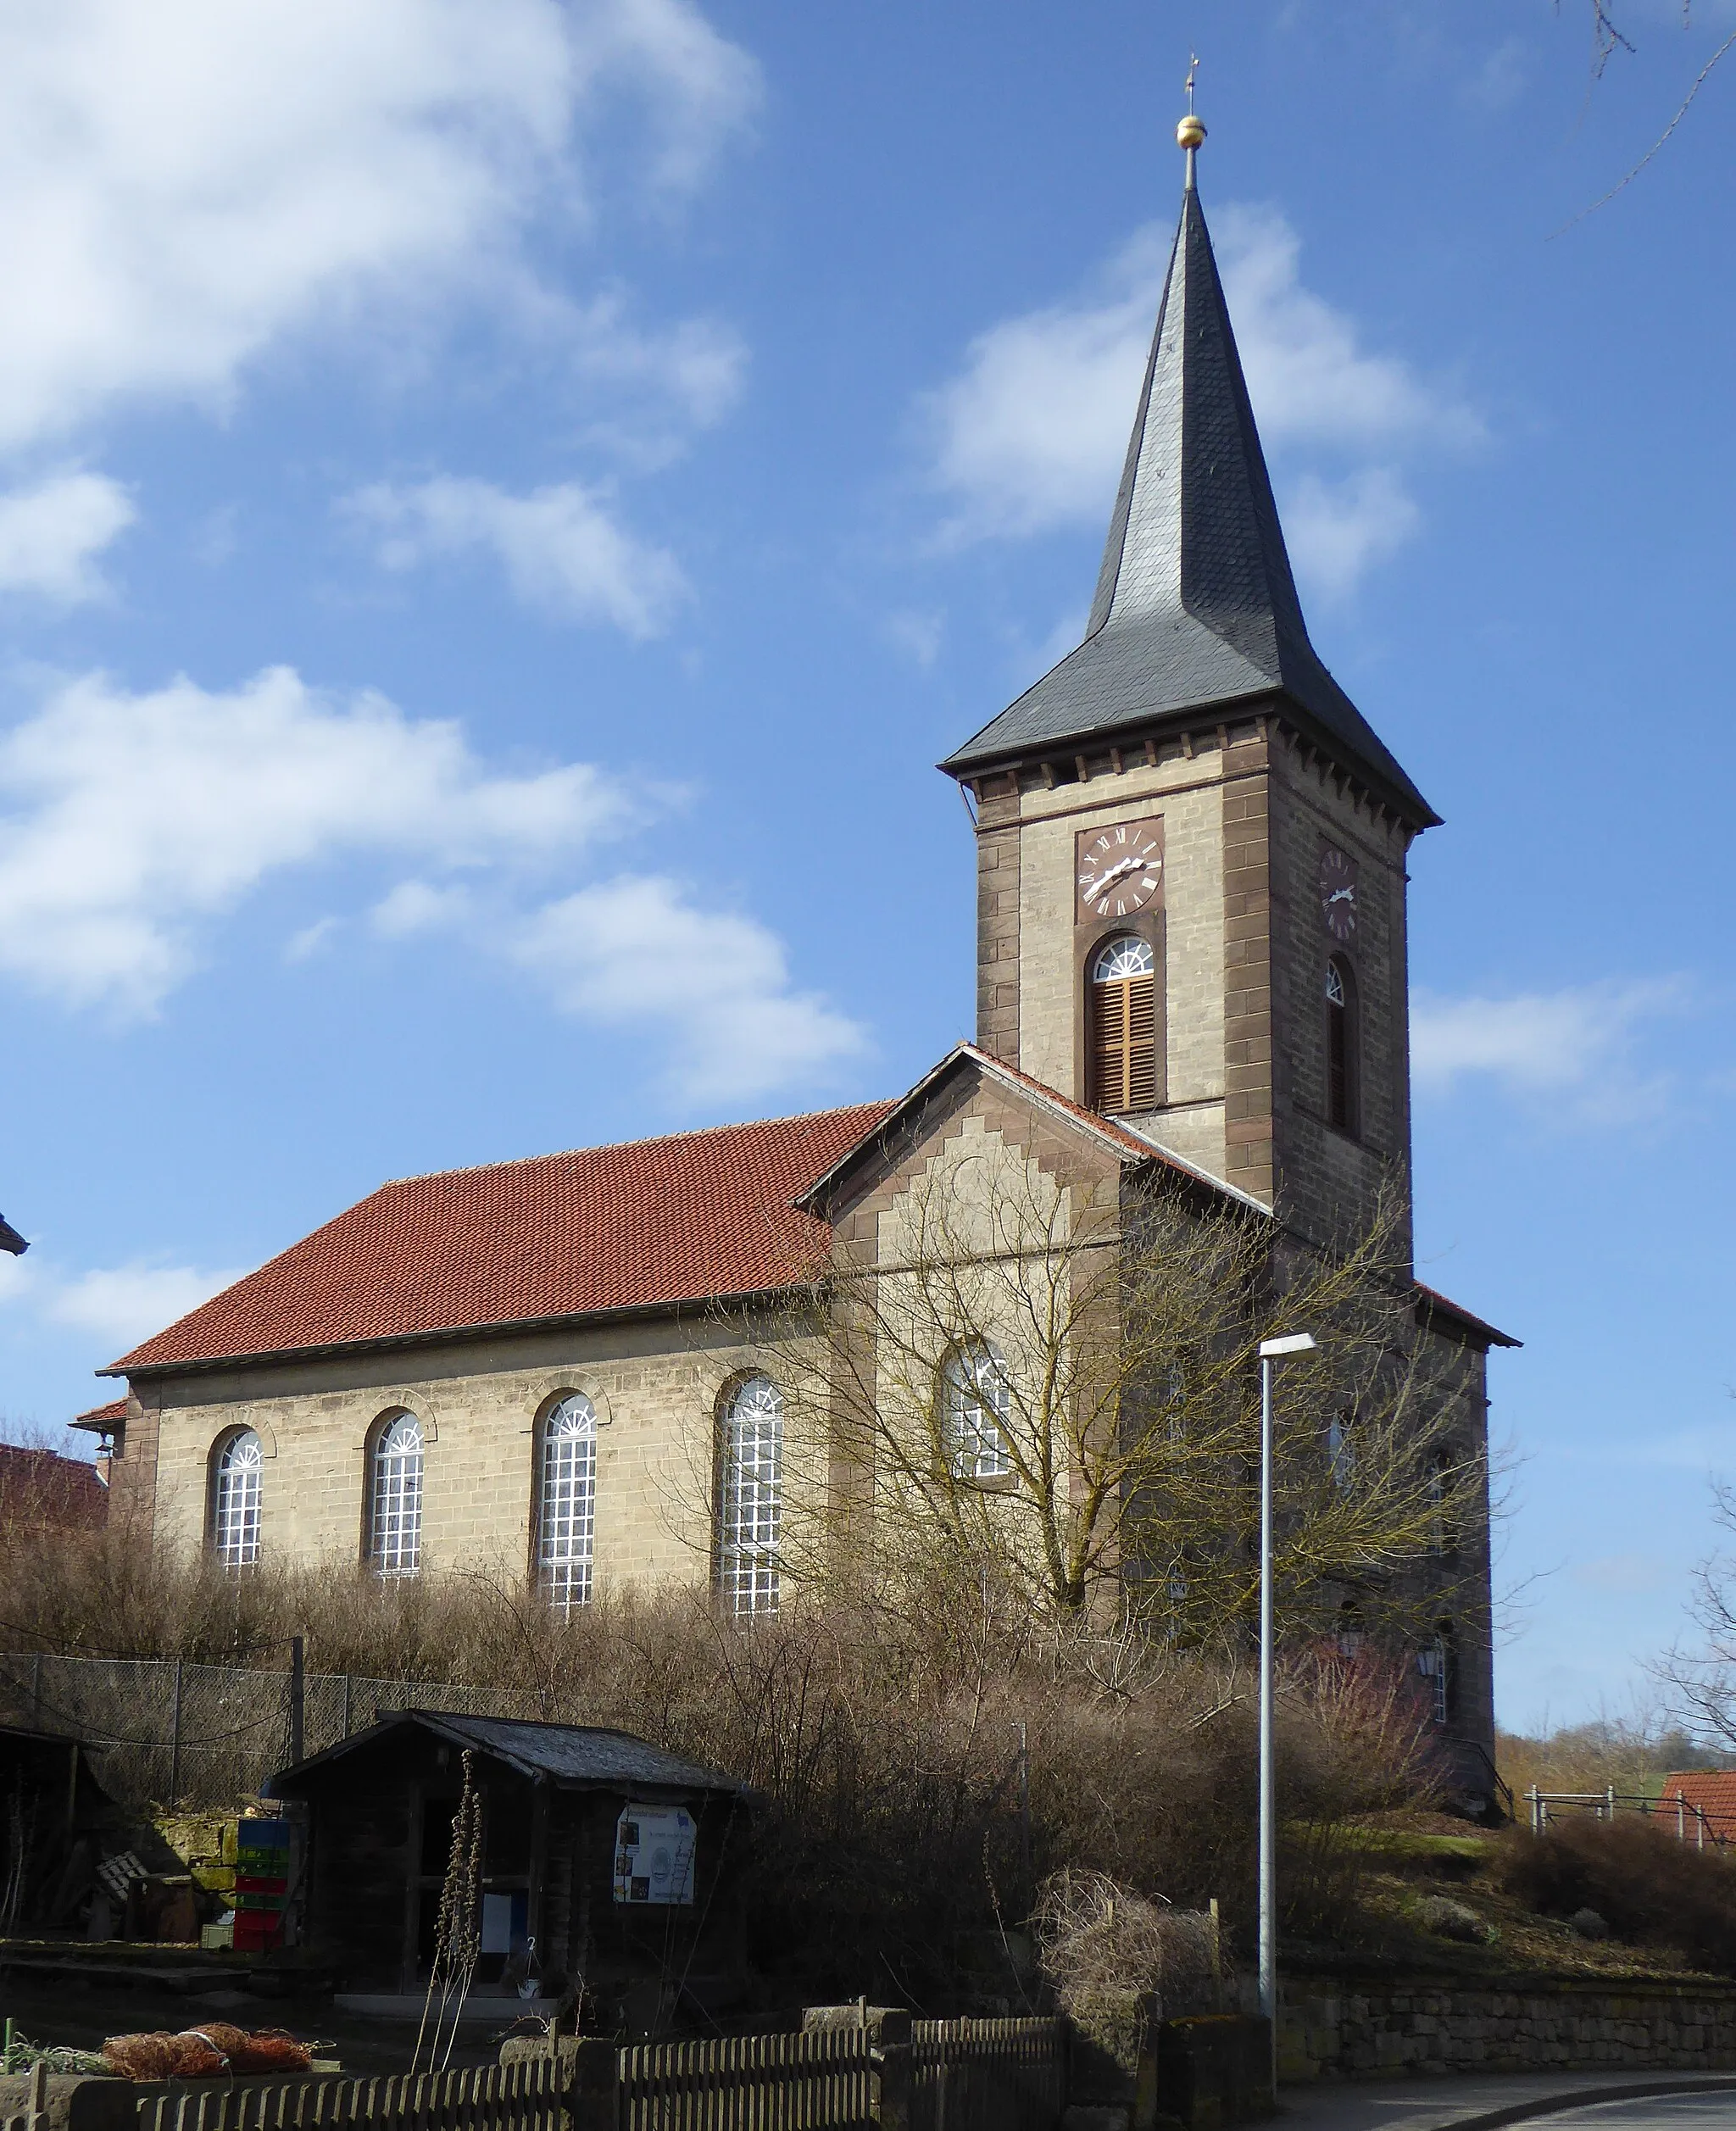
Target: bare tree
column 1060, row 1392
column 1700, row 1681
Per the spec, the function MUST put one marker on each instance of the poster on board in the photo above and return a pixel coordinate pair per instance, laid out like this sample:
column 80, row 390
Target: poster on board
column 654, row 1854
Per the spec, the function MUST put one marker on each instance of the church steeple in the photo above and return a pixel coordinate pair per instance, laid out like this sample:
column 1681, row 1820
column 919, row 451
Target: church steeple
column 1196, row 606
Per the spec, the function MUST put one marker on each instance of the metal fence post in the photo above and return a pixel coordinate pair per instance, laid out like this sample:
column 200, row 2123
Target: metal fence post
column 174, row 1739
column 297, row 1697
column 346, row 1705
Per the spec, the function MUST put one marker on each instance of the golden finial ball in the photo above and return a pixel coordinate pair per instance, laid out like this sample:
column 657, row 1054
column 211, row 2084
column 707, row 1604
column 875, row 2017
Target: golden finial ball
column 1190, row 133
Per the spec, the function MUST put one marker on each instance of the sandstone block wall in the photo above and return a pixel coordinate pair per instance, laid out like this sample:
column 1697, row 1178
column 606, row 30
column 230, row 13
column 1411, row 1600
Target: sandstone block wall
column 655, row 1387
column 1351, row 2028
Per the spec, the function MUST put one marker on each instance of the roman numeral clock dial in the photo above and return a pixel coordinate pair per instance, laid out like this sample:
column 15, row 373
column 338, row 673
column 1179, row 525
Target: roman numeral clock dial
column 1337, row 892
column 1119, row 869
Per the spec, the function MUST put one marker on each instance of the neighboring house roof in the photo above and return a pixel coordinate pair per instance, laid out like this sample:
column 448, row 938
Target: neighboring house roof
column 573, row 1756
column 1713, row 1790
column 40, row 1488
column 1196, row 606
column 646, row 1225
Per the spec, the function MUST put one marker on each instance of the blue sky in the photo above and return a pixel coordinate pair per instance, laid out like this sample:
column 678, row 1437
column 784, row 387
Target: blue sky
column 501, row 505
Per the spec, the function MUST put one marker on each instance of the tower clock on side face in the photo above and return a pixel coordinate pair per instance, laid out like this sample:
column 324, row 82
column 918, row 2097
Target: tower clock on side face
column 1337, row 892
column 1119, row 869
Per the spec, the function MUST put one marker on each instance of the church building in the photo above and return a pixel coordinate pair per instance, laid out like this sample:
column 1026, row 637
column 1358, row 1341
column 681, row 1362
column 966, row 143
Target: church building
column 1191, row 966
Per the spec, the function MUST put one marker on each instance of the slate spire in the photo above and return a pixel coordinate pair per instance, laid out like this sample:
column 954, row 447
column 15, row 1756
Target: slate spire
column 1196, row 605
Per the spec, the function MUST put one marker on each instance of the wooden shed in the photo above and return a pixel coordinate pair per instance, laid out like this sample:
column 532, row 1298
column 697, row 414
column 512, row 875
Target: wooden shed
column 603, row 1858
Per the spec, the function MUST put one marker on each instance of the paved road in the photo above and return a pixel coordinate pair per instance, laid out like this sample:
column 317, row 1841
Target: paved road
column 1663, row 2112
column 1440, row 2105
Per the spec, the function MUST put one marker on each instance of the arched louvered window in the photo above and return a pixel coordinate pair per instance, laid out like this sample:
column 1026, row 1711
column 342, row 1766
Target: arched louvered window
column 235, row 1478
column 975, row 1412
column 395, row 1495
column 1122, row 1016
column 750, row 1496
column 1341, row 1045
column 567, row 1502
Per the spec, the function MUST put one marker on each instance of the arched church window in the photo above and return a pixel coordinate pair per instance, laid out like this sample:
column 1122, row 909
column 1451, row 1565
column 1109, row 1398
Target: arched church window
column 1341, row 1060
column 750, row 1497
column 976, row 1410
column 1435, row 1661
column 235, row 1478
column 395, row 1495
column 567, row 1502
column 1122, row 1012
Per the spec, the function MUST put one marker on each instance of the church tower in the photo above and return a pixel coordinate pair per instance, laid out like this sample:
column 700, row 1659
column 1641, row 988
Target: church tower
column 1191, row 844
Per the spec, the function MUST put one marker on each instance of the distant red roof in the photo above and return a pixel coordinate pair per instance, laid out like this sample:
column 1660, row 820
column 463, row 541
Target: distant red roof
column 655, row 1221
column 1714, row 1791
column 42, row 1490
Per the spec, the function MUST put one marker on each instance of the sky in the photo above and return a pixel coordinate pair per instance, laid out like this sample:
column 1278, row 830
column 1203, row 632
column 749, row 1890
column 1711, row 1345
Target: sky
column 503, row 503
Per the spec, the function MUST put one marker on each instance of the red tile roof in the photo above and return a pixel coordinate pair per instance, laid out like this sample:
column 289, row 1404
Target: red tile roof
column 656, row 1222
column 100, row 1418
column 1714, row 1791
column 40, row 1490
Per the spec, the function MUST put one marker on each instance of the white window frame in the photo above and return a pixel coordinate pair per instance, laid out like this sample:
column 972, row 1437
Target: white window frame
column 567, row 1502
column 750, row 1497
column 236, row 1492
column 978, row 1406
column 395, row 1466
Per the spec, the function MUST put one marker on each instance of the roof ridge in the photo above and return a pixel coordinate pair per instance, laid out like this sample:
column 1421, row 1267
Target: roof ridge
column 648, row 1139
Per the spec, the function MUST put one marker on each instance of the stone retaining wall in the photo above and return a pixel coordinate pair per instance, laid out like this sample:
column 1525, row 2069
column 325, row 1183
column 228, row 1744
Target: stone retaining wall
column 1354, row 2027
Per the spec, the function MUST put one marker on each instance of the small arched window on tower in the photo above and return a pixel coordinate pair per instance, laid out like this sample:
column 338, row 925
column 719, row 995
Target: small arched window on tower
column 566, row 1504
column 395, row 1495
column 1341, row 1033
column 1121, row 1007
column 236, row 1474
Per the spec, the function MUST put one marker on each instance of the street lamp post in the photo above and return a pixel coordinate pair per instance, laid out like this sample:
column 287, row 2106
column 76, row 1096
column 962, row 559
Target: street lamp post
column 1271, row 1351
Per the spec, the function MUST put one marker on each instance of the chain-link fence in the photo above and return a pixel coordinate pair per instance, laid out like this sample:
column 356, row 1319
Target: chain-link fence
column 206, row 1734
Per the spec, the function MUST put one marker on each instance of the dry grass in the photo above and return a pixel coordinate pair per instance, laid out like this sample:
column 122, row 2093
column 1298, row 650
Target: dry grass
column 890, row 1847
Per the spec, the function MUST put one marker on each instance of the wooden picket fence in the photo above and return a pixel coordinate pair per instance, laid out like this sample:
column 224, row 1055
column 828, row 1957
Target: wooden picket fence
column 952, row 2075
column 528, row 2095
column 815, row 2081
column 988, row 2075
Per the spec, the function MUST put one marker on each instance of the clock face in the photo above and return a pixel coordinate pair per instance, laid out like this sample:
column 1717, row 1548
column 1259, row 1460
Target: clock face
column 1337, row 892
column 1119, row 869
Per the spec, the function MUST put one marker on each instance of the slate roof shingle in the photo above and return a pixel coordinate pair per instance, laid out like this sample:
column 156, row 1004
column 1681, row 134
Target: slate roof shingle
column 1196, row 605
column 652, row 1222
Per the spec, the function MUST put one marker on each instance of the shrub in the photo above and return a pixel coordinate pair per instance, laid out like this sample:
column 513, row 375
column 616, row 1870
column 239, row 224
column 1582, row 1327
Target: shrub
column 1650, row 1888
column 890, row 1846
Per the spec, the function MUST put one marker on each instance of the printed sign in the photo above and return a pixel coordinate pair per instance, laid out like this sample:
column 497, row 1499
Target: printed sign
column 654, row 1854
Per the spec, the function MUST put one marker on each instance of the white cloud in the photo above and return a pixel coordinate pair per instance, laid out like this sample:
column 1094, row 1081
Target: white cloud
column 1336, row 530
column 634, row 950
column 918, row 632
column 129, row 824
column 126, row 1304
column 181, row 185
column 561, row 549
column 128, row 821
column 1031, row 432
column 119, row 1305
column 52, row 533
column 1574, row 1043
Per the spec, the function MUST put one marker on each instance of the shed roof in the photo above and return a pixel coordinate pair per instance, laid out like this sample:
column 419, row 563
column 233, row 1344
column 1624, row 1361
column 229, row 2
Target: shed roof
column 573, row 1756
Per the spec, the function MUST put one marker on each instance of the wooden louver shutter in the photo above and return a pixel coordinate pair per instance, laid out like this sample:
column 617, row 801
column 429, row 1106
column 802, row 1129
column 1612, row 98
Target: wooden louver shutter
column 1124, row 1043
